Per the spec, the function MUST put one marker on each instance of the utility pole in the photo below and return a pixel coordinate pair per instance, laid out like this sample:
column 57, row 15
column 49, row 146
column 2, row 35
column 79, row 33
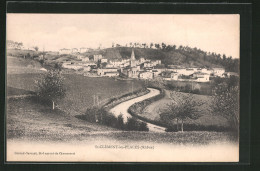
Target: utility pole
column 94, row 97
column 132, row 87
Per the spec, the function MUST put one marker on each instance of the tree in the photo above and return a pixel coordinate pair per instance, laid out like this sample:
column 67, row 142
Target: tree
column 184, row 107
column 57, row 66
column 163, row 45
column 151, row 45
column 51, row 87
column 157, row 46
column 226, row 102
column 36, row 48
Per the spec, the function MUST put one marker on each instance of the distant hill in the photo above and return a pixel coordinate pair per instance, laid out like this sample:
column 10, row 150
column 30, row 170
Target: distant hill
column 185, row 57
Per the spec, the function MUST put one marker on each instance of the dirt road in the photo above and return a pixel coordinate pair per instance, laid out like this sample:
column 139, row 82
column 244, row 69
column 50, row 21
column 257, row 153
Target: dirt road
column 123, row 107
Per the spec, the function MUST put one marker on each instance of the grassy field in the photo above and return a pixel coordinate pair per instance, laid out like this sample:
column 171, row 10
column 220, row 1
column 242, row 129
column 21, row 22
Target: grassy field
column 207, row 118
column 18, row 65
column 27, row 120
column 80, row 89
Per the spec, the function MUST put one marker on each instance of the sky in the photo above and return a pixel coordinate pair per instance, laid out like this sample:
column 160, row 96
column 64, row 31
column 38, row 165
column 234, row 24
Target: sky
column 212, row 33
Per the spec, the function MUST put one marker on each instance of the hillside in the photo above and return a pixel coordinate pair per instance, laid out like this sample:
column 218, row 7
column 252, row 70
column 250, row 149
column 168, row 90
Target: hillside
column 187, row 58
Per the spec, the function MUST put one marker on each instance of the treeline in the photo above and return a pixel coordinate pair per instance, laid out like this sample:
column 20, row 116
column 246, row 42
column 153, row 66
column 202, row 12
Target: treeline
column 192, row 54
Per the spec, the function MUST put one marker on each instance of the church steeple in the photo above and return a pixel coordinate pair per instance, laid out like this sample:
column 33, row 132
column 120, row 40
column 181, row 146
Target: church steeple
column 133, row 61
column 133, row 55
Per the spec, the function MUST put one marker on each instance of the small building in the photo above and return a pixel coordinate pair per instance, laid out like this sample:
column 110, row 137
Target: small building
column 103, row 71
column 104, row 60
column 82, row 50
column 201, row 77
column 174, row 76
column 146, row 75
column 85, row 59
column 97, row 57
column 64, row 51
column 111, row 74
column 141, row 60
column 74, row 50
column 218, row 72
column 87, row 68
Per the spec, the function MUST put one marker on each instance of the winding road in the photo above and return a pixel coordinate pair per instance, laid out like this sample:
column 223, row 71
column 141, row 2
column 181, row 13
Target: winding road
column 123, row 107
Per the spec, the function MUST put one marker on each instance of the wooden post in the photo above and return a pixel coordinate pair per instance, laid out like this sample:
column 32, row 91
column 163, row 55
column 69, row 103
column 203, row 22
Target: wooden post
column 53, row 106
column 177, row 124
column 182, row 125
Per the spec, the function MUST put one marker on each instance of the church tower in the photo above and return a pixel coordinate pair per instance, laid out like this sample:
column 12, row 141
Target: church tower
column 132, row 60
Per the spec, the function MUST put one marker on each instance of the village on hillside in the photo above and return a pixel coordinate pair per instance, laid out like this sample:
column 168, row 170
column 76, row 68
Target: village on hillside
column 137, row 68
column 132, row 68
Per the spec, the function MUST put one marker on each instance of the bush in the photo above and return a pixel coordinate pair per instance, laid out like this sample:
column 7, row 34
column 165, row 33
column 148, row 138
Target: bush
column 120, row 122
column 132, row 124
column 143, row 127
column 101, row 116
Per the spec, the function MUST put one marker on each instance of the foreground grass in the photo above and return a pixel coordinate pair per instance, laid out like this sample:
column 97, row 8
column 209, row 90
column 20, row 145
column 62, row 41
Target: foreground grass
column 27, row 120
column 207, row 118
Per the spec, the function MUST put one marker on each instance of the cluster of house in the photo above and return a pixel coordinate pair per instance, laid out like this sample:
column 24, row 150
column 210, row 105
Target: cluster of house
column 143, row 69
column 73, row 50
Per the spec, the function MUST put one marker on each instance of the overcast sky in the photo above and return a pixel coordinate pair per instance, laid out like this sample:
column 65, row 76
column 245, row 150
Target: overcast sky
column 214, row 33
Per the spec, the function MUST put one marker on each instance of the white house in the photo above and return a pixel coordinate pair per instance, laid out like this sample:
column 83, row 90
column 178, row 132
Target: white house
column 115, row 63
column 64, row 51
column 111, row 74
column 71, row 65
column 146, row 75
column 97, row 57
column 141, row 60
column 201, row 77
column 85, row 59
column 104, row 60
column 87, row 68
column 103, row 71
column 219, row 72
column 74, row 50
column 82, row 50
column 174, row 76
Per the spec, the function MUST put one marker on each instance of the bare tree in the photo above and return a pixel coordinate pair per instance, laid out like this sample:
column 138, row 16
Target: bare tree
column 183, row 107
column 51, row 86
column 226, row 103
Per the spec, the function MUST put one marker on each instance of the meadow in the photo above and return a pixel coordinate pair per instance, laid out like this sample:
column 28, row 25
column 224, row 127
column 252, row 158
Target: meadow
column 207, row 118
column 80, row 90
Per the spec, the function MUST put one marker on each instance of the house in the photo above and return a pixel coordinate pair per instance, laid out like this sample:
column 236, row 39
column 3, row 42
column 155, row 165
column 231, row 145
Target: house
column 174, row 76
column 104, row 60
column 111, row 74
column 97, row 57
column 146, row 75
column 141, row 60
column 72, row 65
column 87, row 68
column 201, row 77
column 85, row 59
column 104, row 71
column 74, row 50
column 64, row 51
column 219, row 72
column 82, row 50
column 148, row 64
column 115, row 63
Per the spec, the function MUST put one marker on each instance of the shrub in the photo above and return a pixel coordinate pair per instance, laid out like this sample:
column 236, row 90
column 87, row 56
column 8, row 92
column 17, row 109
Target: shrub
column 143, row 127
column 120, row 122
column 132, row 124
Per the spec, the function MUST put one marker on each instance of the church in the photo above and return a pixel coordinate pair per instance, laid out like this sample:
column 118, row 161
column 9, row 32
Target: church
column 134, row 70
